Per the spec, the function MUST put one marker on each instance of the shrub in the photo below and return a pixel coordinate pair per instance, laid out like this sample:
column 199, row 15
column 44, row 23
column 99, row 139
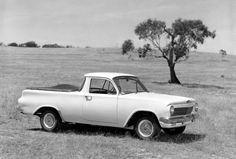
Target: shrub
column 52, row 46
column 13, row 44
column 69, row 46
column 142, row 52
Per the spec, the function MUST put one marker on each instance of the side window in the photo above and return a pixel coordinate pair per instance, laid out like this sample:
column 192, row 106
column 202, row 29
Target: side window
column 101, row 86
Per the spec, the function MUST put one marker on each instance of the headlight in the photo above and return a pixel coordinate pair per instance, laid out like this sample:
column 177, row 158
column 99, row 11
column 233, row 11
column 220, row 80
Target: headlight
column 196, row 107
column 172, row 110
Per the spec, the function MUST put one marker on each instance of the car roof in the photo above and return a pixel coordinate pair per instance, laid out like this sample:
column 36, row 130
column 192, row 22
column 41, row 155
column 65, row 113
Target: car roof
column 109, row 75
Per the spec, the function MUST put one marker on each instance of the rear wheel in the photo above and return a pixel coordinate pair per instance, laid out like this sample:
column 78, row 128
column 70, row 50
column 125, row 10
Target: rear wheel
column 50, row 121
column 174, row 131
column 147, row 128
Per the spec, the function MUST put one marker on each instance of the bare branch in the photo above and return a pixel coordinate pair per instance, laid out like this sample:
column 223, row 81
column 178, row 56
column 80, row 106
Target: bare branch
column 168, row 32
column 157, row 45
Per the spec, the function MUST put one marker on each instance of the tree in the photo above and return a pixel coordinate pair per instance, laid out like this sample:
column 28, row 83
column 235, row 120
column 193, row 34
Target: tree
column 223, row 53
column 181, row 37
column 13, row 44
column 142, row 52
column 127, row 46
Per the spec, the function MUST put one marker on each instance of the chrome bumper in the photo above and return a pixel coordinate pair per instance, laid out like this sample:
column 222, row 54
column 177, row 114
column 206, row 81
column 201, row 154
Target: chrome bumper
column 177, row 121
column 20, row 109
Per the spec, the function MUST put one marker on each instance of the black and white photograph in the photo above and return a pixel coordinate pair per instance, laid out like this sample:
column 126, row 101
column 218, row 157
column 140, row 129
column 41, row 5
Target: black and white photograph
column 117, row 79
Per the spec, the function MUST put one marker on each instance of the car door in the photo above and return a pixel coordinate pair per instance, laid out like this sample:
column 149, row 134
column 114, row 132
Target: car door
column 101, row 102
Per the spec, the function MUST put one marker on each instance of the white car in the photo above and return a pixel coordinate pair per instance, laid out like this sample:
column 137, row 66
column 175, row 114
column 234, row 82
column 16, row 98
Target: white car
column 109, row 99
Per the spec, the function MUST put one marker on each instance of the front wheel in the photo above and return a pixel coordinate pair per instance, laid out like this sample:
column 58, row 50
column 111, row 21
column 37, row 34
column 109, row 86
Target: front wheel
column 50, row 121
column 147, row 128
column 174, row 131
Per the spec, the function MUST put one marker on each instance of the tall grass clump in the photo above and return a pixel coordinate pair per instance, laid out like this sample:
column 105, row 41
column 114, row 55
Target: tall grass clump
column 8, row 104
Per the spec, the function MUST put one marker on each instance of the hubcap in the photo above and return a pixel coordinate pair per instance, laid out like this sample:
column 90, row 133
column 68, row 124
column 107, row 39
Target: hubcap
column 145, row 128
column 49, row 120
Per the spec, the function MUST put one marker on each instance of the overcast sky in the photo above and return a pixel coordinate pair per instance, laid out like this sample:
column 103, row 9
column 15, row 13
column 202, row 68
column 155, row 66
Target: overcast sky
column 107, row 23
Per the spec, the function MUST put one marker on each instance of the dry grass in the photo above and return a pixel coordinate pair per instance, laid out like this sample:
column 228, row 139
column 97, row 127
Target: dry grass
column 212, row 136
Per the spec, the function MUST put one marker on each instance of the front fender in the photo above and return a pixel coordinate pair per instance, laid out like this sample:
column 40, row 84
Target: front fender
column 137, row 111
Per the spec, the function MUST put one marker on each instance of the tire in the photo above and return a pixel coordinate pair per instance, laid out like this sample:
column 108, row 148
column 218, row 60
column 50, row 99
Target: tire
column 147, row 128
column 50, row 121
column 174, row 131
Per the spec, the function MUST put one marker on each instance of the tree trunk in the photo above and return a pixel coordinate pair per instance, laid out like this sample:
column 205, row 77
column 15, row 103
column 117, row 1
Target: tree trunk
column 173, row 77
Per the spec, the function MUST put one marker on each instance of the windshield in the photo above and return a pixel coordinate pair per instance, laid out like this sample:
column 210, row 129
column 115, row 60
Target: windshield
column 82, row 85
column 129, row 84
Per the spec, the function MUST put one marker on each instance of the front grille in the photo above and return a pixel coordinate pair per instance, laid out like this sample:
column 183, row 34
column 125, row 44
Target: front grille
column 182, row 111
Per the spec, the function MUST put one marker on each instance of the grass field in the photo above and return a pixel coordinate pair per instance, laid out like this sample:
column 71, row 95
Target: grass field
column 205, row 77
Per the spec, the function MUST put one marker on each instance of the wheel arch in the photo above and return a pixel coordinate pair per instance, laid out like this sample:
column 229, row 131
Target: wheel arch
column 43, row 108
column 138, row 114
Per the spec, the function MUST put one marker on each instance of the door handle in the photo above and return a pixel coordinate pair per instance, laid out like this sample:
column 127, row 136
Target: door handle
column 88, row 98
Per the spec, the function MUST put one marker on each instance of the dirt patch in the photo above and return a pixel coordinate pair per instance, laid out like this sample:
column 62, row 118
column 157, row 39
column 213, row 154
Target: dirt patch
column 195, row 85
column 191, row 85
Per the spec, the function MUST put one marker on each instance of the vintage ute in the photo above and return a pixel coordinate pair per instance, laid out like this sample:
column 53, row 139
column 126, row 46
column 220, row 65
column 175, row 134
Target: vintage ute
column 109, row 99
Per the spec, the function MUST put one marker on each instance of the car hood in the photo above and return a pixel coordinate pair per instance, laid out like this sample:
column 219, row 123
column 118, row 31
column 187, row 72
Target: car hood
column 162, row 98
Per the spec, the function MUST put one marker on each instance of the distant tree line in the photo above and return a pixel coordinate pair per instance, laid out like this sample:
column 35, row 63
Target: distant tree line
column 27, row 44
column 35, row 45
